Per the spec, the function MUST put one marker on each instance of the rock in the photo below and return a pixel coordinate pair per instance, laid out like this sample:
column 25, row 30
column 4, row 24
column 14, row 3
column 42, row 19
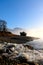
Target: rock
column 41, row 62
column 28, row 46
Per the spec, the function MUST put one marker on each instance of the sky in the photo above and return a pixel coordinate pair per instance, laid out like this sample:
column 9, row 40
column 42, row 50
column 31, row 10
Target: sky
column 22, row 13
column 27, row 14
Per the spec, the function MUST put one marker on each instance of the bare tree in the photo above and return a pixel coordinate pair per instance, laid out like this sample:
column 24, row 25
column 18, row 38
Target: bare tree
column 3, row 26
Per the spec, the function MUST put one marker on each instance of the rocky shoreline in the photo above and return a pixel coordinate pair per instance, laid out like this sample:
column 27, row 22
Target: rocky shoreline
column 17, row 61
column 14, row 54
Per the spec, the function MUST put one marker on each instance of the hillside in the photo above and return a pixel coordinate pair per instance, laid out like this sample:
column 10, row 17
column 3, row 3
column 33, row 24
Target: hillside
column 6, row 34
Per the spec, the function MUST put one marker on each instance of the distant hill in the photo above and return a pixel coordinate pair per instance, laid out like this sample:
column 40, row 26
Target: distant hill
column 16, row 30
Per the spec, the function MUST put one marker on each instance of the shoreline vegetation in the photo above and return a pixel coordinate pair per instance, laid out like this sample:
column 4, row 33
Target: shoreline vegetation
column 12, row 38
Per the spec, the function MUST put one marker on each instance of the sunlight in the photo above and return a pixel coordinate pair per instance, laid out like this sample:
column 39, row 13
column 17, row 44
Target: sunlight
column 35, row 32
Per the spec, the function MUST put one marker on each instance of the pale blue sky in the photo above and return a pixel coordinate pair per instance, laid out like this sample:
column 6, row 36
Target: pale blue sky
column 22, row 13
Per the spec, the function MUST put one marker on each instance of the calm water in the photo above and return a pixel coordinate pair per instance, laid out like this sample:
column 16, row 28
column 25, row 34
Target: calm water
column 37, row 44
